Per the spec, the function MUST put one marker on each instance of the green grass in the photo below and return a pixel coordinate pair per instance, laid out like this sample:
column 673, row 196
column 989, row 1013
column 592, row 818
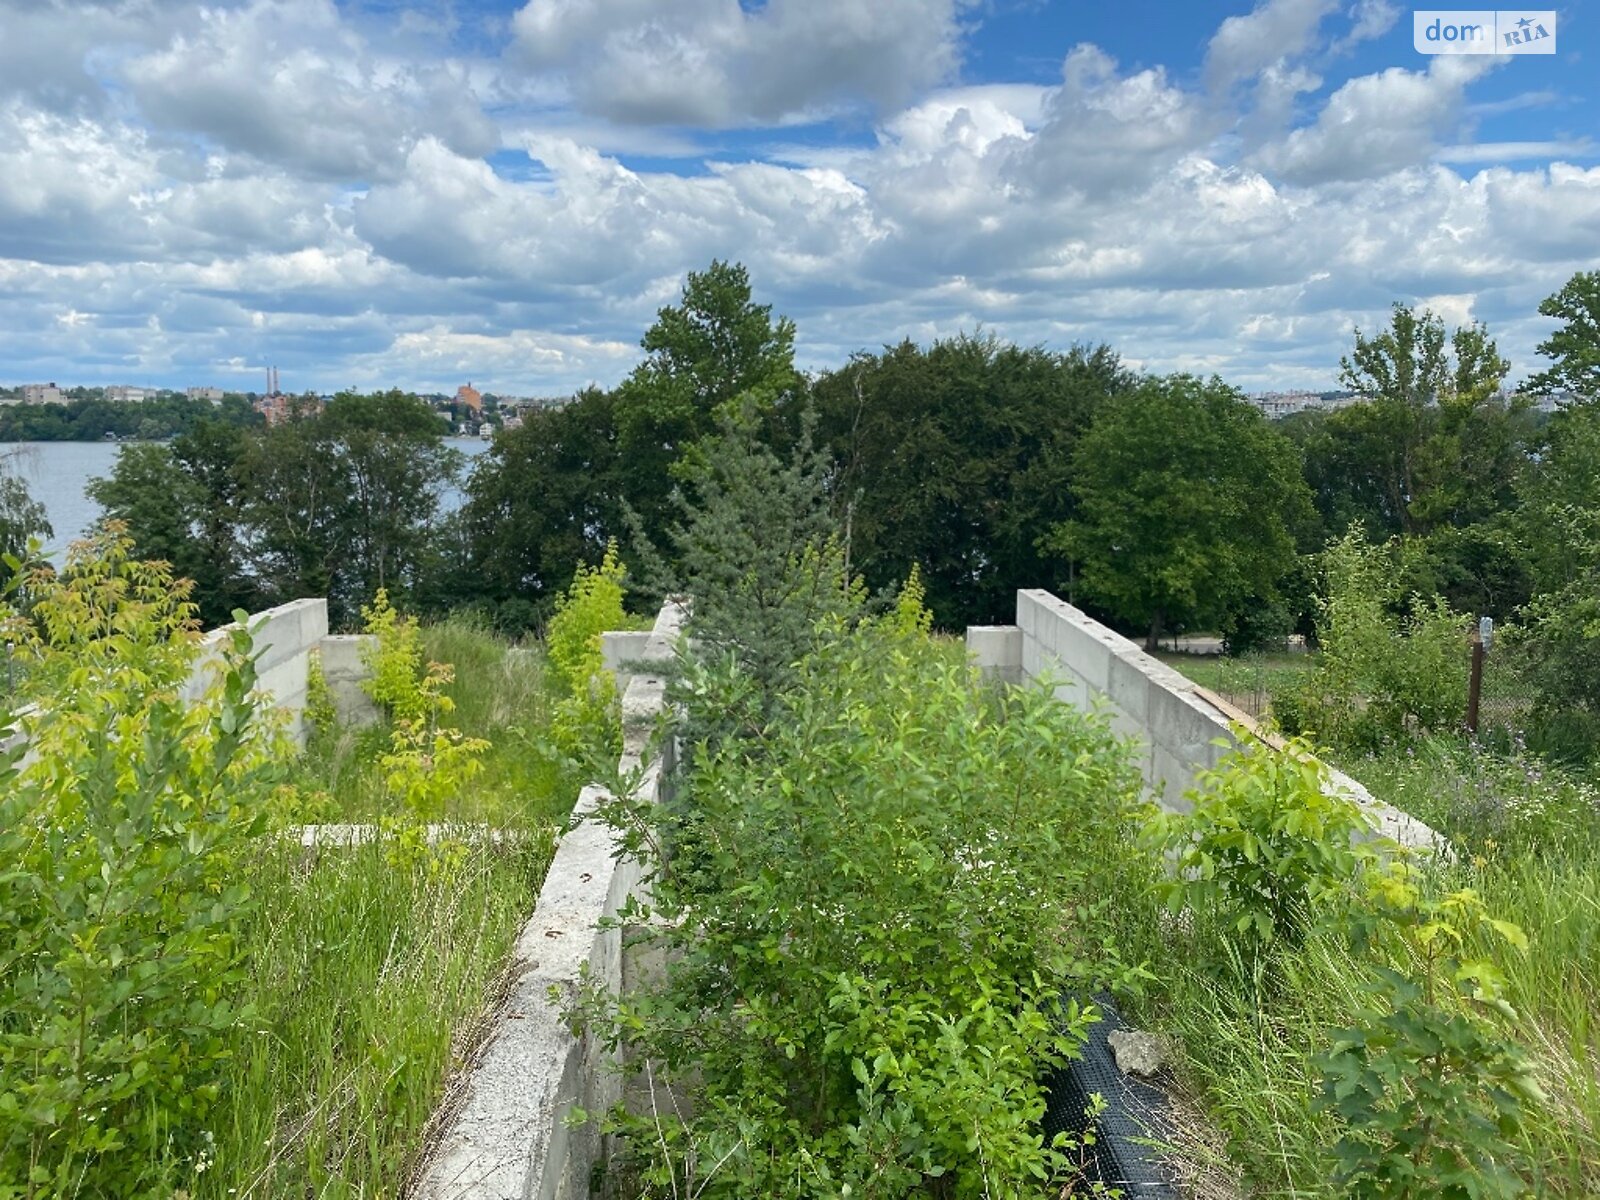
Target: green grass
column 1527, row 835
column 369, row 983
column 1248, row 680
column 370, row 976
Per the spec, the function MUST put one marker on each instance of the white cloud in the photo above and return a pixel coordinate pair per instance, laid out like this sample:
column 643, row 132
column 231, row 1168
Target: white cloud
column 288, row 82
column 1372, row 19
column 359, row 214
column 1275, row 31
column 1104, row 132
column 1378, row 124
column 715, row 63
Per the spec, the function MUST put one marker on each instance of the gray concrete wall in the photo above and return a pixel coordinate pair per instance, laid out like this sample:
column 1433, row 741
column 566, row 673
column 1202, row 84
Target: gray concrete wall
column 285, row 638
column 1176, row 729
column 622, row 651
column 344, row 669
column 505, row 1135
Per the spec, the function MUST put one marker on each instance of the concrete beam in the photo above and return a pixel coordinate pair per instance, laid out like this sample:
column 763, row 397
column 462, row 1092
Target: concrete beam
column 507, row 1137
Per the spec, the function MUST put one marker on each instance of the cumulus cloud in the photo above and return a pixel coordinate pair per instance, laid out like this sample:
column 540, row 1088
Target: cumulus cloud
column 716, row 63
column 1378, row 124
column 211, row 189
column 287, row 81
column 1104, row 132
column 1275, row 31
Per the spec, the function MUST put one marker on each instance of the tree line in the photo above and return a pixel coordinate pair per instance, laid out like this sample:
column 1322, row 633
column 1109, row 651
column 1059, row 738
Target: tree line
column 91, row 418
column 1161, row 503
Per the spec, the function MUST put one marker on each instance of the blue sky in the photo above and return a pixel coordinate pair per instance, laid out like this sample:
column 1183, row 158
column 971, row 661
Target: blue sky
column 374, row 194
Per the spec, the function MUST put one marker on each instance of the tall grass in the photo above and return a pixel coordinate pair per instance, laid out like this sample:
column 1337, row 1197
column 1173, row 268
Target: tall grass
column 1527, row 839
column 368, row 983
column 371, row 976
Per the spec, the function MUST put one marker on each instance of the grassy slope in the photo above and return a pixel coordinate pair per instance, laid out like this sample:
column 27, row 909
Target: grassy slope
column 1531, row 840
column 370, row 978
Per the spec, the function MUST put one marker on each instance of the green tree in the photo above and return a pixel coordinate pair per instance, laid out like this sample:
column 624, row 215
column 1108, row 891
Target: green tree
column 1187, row 506
column 391, row 448
column 1575, row 347
column 21, row 516
column 338, row 503
column 180, row 501
column 1437, row 443
column 714, row 346
column 541, row 500
column 757, row 549
column 957, row 458
column 1558, row 528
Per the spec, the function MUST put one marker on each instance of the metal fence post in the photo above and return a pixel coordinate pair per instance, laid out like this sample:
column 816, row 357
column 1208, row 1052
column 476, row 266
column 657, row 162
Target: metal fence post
column 1480, row 644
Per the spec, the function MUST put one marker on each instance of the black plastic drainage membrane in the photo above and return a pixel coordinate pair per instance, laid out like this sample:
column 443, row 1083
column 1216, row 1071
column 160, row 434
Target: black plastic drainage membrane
column 1135, row 1112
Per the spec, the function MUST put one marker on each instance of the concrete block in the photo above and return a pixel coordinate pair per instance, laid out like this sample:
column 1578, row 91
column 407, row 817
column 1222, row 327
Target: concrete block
column 1128, row 687
column 620, row 648
column 1123, row 723
column 996, row 650
column 1178, row 720
column 1071, row 690
column 344, row 655
column 1083, row 652
column 1029, row 609
column 1170, row 779
column 1031, row 661
column 345, row 669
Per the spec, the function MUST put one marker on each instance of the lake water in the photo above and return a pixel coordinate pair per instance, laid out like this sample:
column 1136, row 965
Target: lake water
column 57, row 472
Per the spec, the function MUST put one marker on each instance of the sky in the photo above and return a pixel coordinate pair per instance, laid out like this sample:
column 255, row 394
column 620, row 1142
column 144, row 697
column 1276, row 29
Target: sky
column 372, row 194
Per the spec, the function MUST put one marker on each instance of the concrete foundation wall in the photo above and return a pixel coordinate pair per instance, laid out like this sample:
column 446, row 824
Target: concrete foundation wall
column 622, row 651
column 285, row 638
column 345, row 670
column 506, row 1136
column 1175, row 727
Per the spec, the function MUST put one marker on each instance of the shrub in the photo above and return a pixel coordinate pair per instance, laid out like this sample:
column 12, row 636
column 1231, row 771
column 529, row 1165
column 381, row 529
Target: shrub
column 1381, row 676
column 585, row 720
column 395, row 660
column 1429, row 1082
column 1265, row 844
column 877, row 909
column 121, row 835
column 321, row 716
column 427, row 763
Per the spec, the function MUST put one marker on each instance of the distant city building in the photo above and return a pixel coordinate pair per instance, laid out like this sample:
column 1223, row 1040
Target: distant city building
column 204, row 393
column 1283, row 404
column 1550, row 402
column 278, row 407
column 41, row 393
column 470, row 396
column 130, row 395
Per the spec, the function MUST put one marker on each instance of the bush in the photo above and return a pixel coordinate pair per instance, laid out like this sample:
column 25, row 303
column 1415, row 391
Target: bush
column 122, row 837
column 395, row 660
column 876, row 911
column 585, row 719
column 1429, row 1081
column 1265, row 845
column 1380, row 676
